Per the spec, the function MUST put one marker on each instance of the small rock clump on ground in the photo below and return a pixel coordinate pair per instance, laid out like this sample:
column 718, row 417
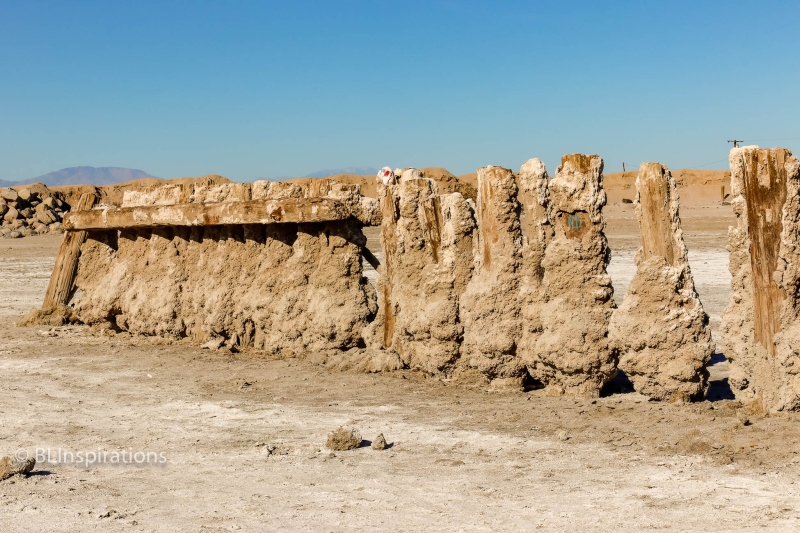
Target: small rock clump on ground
column 379, row 443
column 344, row 439
column 12, row 466
column 34, row 210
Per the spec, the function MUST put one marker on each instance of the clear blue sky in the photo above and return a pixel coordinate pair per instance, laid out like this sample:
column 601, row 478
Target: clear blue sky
column 254, row 89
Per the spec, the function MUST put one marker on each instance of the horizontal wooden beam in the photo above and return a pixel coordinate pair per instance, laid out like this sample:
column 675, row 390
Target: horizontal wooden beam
column 287, row 210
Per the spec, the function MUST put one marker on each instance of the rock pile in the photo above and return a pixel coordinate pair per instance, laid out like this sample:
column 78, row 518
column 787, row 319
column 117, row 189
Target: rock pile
column 30, row 211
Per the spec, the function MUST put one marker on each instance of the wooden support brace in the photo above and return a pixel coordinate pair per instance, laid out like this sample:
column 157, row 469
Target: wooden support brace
column 66, row 267
column 286, row 210
column 370, row 257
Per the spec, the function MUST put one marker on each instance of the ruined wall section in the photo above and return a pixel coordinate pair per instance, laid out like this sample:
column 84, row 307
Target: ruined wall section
column 283, row 288
column 661, row 327
column 760, row 331
column 516, row 287
column 573, row 352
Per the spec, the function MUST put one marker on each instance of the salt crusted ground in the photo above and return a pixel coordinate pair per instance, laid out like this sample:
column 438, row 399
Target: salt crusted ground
column 462, row 459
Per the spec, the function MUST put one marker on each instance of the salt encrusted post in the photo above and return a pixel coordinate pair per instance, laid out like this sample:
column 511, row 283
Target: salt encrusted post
column 661, row 327
column 428, row 249
column 387, row 306
column 537, row 231
column 761, row 328
column 573, row 351
column 490, row 307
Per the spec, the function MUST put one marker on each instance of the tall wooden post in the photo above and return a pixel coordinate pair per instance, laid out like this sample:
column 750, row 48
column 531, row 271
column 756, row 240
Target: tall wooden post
column 66, row 267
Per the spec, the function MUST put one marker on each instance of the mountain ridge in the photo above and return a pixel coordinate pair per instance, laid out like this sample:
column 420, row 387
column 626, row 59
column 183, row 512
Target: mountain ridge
column 83, row 175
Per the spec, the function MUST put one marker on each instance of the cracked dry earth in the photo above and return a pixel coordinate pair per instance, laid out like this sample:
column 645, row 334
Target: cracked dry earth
column 244, row 436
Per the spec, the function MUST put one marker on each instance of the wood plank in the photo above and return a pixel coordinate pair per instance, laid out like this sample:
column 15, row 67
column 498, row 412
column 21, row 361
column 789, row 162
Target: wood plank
column 391, row 213
column 66, row 267
column 286, row 210
column 765, row 193
column 655, row 219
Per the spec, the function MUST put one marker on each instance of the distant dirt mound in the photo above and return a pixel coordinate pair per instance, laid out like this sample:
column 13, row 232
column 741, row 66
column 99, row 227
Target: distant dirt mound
column 367, row 183
column 447, row 182
column 695, row 187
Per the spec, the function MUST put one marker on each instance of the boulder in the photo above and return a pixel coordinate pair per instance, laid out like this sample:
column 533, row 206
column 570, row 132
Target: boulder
column 13, row 466
column 9, row 195
column 45, row 215
column 11, row 215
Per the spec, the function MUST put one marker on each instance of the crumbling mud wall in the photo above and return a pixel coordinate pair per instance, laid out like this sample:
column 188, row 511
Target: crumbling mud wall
column 513, row 288
column 661, row 327
column 761, row 331
column 283, row 288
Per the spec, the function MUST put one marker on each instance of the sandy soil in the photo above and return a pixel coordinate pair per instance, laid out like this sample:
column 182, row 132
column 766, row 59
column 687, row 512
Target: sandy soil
column 462, row 459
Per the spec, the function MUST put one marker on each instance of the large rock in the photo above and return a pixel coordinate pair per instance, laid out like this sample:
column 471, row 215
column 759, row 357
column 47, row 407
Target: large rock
column 490, row 306
column 11, row 215
column 573, row 353
column 10, row 195
column 13, row 466
column 3, row 210
column 761, row 325
column 45, row 215
column 661, row 327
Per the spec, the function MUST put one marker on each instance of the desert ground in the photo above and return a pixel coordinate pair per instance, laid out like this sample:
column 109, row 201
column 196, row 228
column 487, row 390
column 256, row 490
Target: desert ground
column 244, row 436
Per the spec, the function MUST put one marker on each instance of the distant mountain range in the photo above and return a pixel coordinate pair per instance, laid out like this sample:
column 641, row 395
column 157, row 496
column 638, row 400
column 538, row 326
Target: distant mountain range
column 359, row 171
column 113, row 175
column 83, row 175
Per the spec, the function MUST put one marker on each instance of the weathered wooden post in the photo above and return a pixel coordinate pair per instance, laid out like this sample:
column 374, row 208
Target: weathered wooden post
column 661, row 327
column 761, row 328
column 62, row 279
